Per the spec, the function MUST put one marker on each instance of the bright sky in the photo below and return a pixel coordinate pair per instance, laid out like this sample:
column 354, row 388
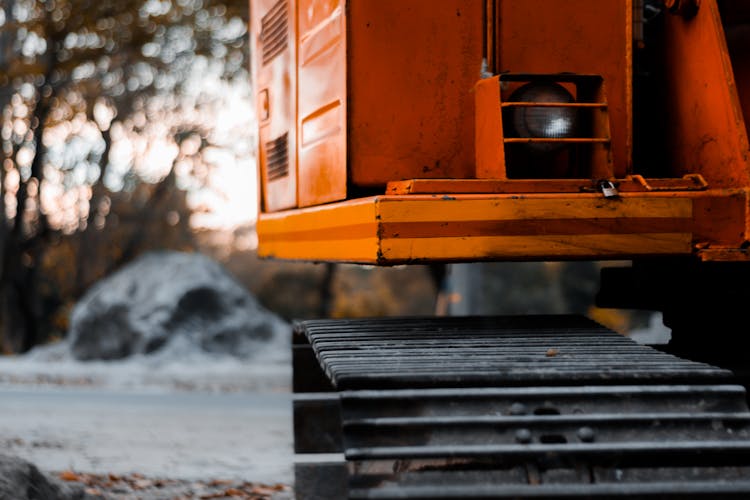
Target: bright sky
column 228, row 197
column 233, row 197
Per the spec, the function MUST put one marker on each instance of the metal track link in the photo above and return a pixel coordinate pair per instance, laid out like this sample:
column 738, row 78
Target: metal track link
column 513, row 407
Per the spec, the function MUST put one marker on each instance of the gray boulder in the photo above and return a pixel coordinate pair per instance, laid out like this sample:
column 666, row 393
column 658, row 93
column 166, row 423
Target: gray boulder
column 21, row 480
column 165, row 298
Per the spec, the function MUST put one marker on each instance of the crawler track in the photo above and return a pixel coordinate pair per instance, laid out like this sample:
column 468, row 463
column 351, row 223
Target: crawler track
column 510, row 407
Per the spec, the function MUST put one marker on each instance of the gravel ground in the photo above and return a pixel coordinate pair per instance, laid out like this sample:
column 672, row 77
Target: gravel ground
column 170, row 435
column 136, row 486
column 199, row 429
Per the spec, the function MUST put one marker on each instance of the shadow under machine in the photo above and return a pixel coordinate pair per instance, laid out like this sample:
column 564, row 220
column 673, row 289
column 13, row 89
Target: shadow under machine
column 420, row 131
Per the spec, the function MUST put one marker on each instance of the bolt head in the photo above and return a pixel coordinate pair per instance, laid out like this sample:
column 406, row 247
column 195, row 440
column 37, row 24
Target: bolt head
column 523, row 436
column 586, row 434
column 518, row 409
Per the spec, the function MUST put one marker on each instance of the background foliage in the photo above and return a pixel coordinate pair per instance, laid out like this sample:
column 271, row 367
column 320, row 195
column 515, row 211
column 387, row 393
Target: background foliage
column 107, row 128
column 115, row 124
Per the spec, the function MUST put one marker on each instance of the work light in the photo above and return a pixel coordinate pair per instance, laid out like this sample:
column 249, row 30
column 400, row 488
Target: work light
column 544, row 122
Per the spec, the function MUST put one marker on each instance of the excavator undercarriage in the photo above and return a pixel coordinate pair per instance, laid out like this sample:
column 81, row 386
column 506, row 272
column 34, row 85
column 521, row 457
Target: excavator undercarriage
column 509, row 407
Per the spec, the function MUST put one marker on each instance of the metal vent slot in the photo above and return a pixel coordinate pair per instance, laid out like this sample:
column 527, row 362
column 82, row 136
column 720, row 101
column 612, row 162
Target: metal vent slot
column 277, row 158
column 273, row 32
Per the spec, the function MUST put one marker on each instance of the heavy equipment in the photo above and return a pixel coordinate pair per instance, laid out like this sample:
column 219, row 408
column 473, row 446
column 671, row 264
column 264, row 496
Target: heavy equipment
column 433, row 131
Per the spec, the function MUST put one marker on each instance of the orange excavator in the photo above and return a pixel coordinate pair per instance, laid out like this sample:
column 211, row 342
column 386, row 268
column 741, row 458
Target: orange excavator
column 439, row 131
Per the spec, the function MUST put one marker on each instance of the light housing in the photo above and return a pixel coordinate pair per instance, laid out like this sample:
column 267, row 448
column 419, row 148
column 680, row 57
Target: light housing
column 545, row 122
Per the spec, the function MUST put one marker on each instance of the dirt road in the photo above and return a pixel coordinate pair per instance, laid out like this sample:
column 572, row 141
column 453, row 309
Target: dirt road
column 180, row 435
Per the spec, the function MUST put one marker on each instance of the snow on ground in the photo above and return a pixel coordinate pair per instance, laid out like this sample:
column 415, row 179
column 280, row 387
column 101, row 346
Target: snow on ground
column 179, row 413
column 195, row 436
column 178, row 366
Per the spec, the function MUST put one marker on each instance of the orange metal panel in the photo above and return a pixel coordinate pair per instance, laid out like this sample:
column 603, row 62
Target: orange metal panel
column 736, row 17
column 412, row 67
column 721, row 220
column 706, row 132
column 272, row 24
column 490, row 152
column 415, row 228
column 579, row 36
column 322, row 101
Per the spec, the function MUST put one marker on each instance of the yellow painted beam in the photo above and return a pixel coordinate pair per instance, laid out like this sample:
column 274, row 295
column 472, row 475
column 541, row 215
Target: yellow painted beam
column 547, row 247
column 396, row 229
column 416, row 208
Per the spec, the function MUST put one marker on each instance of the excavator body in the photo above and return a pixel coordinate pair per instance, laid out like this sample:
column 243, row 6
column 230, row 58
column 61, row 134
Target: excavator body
column 422, row 131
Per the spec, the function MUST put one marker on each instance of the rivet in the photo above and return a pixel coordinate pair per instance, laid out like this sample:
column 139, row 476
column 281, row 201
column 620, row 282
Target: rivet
column 523, row 436
column 586, row 434
column 518, row 409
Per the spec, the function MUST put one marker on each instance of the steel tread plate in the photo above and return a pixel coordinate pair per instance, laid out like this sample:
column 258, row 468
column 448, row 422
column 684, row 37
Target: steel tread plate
column 432, row 407
column 488, row 351
column 663, row 489
column 685, row 450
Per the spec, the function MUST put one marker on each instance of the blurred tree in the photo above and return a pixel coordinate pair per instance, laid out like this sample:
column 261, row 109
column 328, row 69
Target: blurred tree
column 105, row 105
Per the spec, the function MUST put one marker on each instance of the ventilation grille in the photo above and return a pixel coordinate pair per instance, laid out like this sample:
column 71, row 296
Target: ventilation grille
column 277, row 158
column 273, row 31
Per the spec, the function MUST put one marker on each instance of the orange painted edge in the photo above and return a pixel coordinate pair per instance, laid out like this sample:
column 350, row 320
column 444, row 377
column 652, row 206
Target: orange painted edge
column 488, row 136
column 422, row 228
column 339, row 232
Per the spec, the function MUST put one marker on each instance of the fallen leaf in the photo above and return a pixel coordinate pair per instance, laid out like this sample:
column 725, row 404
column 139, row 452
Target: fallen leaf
column 551, row 353
column 142, row 484
column 69, row 475
column 220, row 482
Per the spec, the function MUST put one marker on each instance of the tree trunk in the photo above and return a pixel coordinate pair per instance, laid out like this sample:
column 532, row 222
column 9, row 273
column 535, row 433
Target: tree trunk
column 22, row 254
column 134, row 244
column 19, row 325
column 6, row 92
column 88, row 241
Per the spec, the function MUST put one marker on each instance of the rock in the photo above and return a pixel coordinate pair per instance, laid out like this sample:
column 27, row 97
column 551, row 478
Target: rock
column 165, row 296
column 21, row 480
